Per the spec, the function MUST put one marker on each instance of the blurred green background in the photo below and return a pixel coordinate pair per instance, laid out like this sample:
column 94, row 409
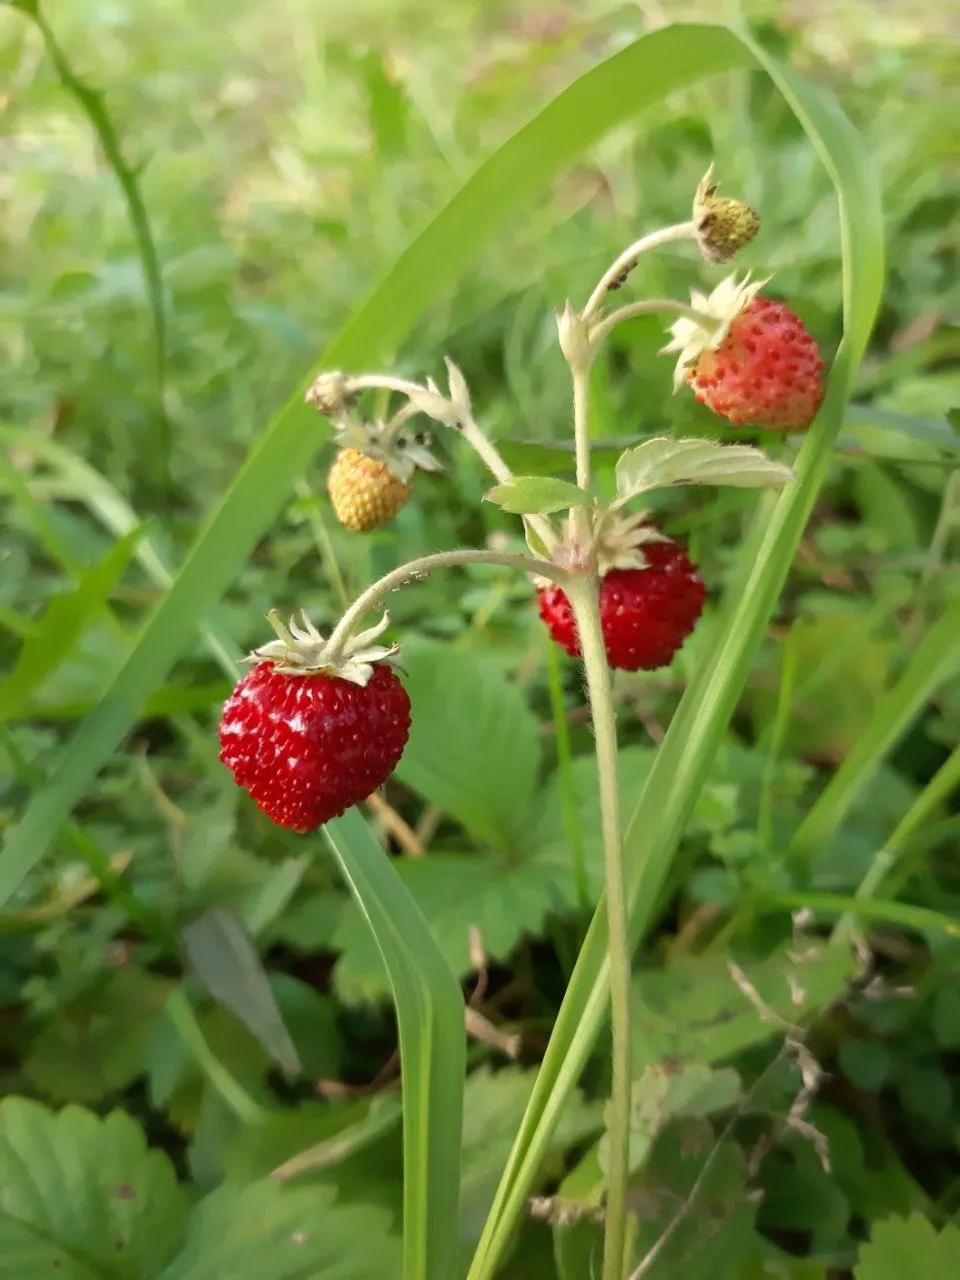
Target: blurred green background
column 285, row 154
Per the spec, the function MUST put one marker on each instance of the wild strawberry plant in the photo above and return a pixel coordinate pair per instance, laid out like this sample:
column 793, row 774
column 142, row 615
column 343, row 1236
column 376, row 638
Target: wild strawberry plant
column 321, row 720
column 612, row 588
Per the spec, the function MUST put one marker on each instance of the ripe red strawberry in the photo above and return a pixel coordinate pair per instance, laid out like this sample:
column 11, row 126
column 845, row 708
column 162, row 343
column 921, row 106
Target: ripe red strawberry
column 308, row 743
column 646, row 614
column 757, row 365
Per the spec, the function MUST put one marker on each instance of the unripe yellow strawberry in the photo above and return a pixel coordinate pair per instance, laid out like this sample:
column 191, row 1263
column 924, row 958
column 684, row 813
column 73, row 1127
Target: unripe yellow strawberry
column 364, row 491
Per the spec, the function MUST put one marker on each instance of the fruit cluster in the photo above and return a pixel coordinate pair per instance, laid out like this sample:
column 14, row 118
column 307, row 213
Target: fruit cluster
column 318, row 724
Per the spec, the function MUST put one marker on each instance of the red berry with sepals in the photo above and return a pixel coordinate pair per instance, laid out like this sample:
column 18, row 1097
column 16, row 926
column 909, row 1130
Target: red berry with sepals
column 751, row 360
column 310, row 731
column 650, row 599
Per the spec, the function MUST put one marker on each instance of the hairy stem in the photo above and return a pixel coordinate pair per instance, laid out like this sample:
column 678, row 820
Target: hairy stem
column 628, row 260
column 415, row 569
column 491, row 457
column 649, row 306
column 486, row 450
column 581, row 424
column 583, row 598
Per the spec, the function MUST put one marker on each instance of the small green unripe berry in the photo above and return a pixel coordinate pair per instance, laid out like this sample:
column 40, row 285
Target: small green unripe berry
column 723, row 225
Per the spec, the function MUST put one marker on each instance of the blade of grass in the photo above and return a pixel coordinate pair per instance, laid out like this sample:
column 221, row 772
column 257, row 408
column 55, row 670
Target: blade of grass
column 901, row 914
column 935, row 661
column 939, row 789
column 91, row 103
column 103, row 501
column 687, row 750
column 432, row 1049
column 62, row 626
column 180, row 1012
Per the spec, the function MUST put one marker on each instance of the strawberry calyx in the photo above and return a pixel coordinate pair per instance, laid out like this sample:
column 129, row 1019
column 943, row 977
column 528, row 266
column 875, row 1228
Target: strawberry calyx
column 611, row 540
column 620, row 539
column 301, row 650
column 400, row 449
column 691, row 338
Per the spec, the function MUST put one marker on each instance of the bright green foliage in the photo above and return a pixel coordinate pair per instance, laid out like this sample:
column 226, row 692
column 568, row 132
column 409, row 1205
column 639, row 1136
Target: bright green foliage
column 904, row 1248
column 84, row 1193
column 531, row 495
column 88, row 1199
column 100, row 1041
column 214, row 193
column 473, row 748
column 267, row 1232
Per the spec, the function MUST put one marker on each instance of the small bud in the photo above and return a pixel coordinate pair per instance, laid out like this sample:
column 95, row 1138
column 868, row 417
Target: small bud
column 459, row 392
column 330, row 394
column 574, row 337
column 723, row 225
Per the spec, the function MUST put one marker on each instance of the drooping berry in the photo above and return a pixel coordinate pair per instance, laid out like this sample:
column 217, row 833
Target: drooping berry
column 308, row 734
column 646, row 614
column 364, row 491
column 723, row 224
column 751, row 361
column 370, row 479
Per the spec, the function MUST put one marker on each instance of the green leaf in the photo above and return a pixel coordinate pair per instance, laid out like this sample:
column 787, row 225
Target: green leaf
column 474, row 748
column 226, row 962
column 81, row 1197
column 536, row 495
column 710, row 1241
column 663, row 461
column 693, row 1211
column 100, row 1042
column 909, row 1249
column 62, row 625
column 867, row 1064
column 430, row 1020
column 268, row 1232
column 695, row 1009
column 505, row 893
column 667, row 1091
column 699, row 1091
column 667, row 59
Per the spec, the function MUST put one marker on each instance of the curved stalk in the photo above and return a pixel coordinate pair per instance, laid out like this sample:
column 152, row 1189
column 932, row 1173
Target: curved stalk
column 628, row 260
column 396, row 578
column 583, row 598
column 649, row 306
